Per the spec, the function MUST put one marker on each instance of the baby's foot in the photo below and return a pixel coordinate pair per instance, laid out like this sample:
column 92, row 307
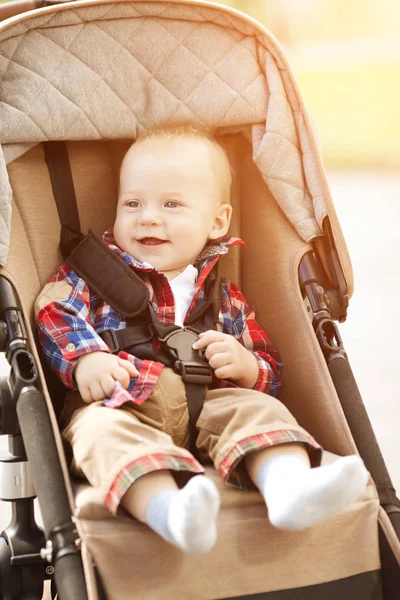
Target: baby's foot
column 186, row 517
column 193, row 514
column 298, row 497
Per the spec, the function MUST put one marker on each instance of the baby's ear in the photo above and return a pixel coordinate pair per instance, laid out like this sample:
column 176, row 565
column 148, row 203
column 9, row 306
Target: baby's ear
column 221, row 222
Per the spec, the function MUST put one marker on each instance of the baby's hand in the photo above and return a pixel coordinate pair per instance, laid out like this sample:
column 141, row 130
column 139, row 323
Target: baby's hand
column 97, row 373
column 228, row 358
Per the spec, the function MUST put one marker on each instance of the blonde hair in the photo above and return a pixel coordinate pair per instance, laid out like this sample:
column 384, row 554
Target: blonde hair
column 220, row 163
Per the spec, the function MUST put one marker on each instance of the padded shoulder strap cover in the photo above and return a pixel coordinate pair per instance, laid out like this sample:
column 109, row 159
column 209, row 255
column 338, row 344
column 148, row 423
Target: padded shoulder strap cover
column 108, row 275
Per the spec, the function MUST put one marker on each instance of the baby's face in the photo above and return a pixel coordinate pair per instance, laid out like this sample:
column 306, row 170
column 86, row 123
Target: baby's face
column 169, row 203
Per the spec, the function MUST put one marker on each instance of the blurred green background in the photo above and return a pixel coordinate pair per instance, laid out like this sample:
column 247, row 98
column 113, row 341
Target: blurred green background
column 345, row 55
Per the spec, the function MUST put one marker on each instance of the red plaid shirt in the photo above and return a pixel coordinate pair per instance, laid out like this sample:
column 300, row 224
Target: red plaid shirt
column 70, row 327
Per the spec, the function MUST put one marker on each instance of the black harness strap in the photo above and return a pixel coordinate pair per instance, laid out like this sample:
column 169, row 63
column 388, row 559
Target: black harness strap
column 196, row 394
column 193, row 368
column 206, row 315
column 108, row 275
column 56, row 155
column 123, row 339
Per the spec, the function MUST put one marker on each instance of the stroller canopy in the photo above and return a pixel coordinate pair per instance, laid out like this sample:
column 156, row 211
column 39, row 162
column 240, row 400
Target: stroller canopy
column 109, row 70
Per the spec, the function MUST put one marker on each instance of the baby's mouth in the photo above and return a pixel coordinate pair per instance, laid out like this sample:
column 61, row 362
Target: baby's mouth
column 151, row 241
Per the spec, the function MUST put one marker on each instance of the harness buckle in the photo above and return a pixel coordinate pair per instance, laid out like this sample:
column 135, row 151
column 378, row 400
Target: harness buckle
column 190, row 364
column 193, row 372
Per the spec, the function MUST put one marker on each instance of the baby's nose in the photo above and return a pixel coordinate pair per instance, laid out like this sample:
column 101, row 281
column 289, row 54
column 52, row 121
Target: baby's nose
column 150, row 216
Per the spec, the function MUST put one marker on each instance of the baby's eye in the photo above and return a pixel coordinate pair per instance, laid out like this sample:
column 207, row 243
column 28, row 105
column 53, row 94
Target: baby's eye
column 171, row 204
column 133, row 204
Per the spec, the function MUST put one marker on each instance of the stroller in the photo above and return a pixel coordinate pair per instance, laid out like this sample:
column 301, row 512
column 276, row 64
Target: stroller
column 79, row 82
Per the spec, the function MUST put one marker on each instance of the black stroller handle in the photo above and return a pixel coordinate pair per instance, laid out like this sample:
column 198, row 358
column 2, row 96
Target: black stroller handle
column 49, row 482
column 323, row 308
column 22, row 395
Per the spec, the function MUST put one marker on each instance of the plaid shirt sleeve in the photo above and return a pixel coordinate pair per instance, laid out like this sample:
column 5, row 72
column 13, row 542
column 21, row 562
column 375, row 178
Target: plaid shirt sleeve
column 239, row 320
column 64, row 324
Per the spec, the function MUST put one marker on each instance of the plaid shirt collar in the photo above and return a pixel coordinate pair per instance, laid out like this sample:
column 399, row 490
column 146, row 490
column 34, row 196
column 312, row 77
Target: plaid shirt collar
column 206, row 260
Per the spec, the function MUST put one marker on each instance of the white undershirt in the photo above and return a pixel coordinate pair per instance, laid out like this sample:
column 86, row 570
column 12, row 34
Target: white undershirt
column 183, row 286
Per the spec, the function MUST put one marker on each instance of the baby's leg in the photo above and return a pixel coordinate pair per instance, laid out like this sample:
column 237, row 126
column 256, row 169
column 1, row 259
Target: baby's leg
column 185, row 517
column 298, row 497
column 115, row 450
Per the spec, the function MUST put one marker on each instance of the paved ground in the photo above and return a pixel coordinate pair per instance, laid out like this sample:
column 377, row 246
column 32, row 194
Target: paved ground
column 368, row 208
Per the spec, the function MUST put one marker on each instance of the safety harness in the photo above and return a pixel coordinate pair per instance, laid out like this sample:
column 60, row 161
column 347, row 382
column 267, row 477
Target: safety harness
column 121, row 287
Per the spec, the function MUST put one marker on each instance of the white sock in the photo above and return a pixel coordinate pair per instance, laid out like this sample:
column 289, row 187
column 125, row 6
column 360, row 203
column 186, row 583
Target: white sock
column 298, row 497
column 187, row 517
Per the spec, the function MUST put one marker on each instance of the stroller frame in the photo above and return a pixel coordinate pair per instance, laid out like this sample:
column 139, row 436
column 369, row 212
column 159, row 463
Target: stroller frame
column 25, row 563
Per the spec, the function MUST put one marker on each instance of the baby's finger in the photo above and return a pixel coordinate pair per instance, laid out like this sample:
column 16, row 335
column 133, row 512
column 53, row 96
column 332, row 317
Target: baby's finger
column 219, row 360
column 215, row 348
column 128, row 366
column 108, row 385
column 224, row 372
column 207, row 338
column 96, row 391
column 120, row 374
column 85, row 394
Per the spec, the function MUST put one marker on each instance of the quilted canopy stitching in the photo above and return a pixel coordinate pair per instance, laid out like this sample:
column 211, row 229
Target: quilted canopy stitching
column 180, row 43
column 82, row 112
column 222, row 57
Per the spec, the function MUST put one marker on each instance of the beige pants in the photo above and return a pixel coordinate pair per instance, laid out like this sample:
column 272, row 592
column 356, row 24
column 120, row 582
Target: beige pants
column 233, row 422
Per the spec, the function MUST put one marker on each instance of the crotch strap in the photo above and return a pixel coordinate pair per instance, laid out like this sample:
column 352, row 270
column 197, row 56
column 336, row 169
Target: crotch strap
column 195, row 371
column 176, row 352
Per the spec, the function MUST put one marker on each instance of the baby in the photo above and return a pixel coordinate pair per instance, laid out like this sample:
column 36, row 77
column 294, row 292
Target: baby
column 129, row 430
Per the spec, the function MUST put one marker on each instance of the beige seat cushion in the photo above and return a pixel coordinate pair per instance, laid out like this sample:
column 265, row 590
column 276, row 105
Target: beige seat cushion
column 250, row 556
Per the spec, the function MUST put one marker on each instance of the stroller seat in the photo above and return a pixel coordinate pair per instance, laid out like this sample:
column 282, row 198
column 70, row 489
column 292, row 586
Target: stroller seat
column 95, row 74
column 250, row 557
column 246, row 538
